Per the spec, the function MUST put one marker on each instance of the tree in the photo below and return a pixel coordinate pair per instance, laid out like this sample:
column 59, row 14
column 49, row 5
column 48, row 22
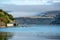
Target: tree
column 5, row 17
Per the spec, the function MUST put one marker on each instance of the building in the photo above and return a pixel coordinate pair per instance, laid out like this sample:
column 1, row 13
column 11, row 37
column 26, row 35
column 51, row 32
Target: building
column 11, row 24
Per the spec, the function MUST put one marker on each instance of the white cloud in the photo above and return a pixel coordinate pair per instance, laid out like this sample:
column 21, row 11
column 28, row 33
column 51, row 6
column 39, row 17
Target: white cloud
column 27, row 2
column 56, row 1
column 30, row 2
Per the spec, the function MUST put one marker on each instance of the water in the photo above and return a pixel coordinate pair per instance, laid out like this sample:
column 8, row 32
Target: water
column 34, row 32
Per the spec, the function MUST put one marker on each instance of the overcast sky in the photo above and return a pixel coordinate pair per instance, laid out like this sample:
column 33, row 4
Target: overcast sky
column 20, row 8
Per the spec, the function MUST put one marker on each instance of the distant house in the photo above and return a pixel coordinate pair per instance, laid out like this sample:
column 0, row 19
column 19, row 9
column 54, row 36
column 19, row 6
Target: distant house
column 11, row 24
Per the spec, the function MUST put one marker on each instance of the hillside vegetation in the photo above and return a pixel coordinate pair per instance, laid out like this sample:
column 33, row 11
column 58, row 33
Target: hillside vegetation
column 5, row 18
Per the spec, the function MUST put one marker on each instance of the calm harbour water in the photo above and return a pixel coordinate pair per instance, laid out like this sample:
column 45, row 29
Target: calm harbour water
column 34, row 32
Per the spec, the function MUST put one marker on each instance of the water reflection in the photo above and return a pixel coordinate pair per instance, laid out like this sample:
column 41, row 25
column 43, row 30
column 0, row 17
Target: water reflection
column 5, row 35
column 29, row 36
column 49, row 35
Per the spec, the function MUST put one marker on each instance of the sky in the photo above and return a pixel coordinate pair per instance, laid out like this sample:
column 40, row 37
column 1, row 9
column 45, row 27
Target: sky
column 24, row 8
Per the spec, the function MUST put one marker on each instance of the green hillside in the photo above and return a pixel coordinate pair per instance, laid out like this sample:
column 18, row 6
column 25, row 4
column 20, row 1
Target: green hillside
column 5, row 18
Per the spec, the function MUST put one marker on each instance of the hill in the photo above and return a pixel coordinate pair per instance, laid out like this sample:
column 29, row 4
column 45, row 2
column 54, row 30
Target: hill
column 48, row 18
column 5, row 18
column 57, row 20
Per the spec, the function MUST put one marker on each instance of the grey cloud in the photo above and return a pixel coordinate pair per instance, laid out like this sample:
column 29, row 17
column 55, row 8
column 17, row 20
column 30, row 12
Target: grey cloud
column 31, row 8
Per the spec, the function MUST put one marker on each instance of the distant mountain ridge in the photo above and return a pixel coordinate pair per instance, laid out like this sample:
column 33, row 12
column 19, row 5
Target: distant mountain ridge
column 48, row 18
column 50, row 13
